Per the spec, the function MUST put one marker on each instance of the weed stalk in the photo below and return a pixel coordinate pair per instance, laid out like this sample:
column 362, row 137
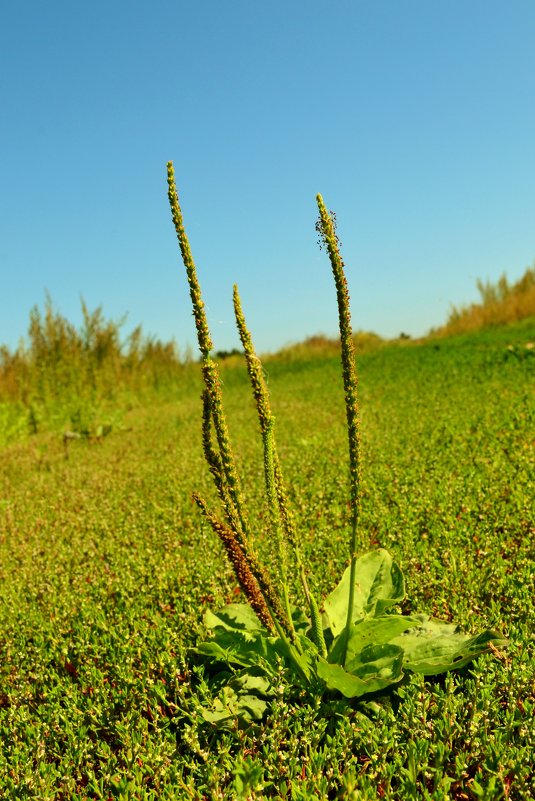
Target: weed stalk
column 327, row 230
column 221, row 461
column 275, row 487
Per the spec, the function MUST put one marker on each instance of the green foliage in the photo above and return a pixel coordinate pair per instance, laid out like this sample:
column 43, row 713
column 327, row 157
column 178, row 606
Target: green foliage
column 369, row 659
column 361, row 647
column 380, row 586
column 71, row 379
column 105, row 571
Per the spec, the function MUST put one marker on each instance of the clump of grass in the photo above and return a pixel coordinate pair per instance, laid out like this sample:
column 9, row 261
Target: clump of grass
column 500, row 303
column 359, row 644
column 64, row 376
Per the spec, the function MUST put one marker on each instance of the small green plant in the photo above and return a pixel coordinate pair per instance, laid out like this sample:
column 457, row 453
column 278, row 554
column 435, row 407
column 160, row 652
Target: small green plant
column 355, row 642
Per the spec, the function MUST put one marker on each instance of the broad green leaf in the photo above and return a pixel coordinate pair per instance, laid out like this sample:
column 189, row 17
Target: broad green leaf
column 379, row 668
column 372, row 631
column 217, row 653
column 234, row 617
column 300, row 656
column 242, row 648
column 436, row 647
column 379, row 585
column 383, row 661
column 245, row 697
column 239, row 640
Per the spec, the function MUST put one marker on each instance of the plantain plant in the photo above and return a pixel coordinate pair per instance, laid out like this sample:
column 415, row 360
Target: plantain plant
column 354, row 642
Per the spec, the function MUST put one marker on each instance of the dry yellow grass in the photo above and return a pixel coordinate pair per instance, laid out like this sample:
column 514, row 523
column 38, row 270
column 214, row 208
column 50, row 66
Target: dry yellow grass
column 501, row 303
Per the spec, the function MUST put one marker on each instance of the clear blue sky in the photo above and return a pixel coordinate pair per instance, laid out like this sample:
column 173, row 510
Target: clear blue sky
column 414, row 118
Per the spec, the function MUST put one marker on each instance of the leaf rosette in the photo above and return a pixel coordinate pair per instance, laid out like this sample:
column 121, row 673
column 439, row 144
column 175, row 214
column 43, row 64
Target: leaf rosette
column 381, row 645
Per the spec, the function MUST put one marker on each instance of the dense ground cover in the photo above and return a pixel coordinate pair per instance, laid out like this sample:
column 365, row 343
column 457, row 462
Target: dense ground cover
column 106, row 568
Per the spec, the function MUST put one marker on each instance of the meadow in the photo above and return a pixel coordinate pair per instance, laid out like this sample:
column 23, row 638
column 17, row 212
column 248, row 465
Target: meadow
column 107, row 567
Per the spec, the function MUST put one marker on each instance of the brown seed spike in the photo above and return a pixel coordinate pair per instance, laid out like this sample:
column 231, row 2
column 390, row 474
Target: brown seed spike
column 242, row 571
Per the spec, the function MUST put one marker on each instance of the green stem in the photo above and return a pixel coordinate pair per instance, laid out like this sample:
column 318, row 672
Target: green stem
column 349, row 373
column 276, row 489
column 221, row 463
column 294, row 652
column 267, row 439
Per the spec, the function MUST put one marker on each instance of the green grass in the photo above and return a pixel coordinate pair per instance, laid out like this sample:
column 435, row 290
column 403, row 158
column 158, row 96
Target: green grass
column 106, row 568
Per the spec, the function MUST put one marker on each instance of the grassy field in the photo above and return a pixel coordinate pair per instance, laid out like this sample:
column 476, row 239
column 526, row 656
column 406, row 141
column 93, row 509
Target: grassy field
column 106, row 568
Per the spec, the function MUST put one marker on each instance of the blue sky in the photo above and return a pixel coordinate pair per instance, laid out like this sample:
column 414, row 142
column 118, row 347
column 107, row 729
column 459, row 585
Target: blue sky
column 414, row 119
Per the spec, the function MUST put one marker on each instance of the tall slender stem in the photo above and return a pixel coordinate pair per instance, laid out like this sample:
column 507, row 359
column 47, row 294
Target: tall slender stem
column 275, row 487
column 349, row 373
column 221, row 462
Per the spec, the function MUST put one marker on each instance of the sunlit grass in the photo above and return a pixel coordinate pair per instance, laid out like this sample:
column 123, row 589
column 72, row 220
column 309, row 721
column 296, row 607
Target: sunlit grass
column 106, row 570
column 500, row 303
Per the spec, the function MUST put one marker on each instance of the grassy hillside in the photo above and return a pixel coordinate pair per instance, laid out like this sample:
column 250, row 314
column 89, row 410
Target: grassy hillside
column 106, row 569
column 81, row 380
